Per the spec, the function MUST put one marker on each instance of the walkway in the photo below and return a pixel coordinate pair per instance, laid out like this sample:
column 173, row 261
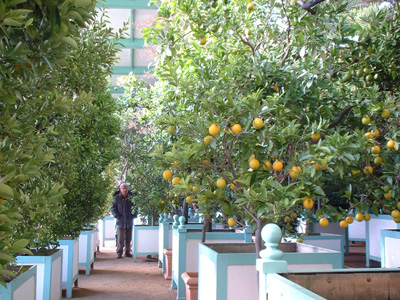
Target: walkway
column 120, row 279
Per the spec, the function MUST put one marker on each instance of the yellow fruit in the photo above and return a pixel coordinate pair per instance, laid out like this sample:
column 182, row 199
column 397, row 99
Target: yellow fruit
column 368, row 135
column 349, row 220
column 233, row 186
column 287, row 219
column 317, row 166
column 214, row 129
column 324, row 166
column 294, row 215
column 375, row 133
column 299, row 240
column 189, row 199
column 366, row 120
column 231, row 222
column 397, row 221
column 1, row 200
column 254, row 164
column 174, row 164
column 295, row 171
column 395, row 214
column 206, row 161
column 385, row 113
column 162, row 202
column 277, row 166
column 171, row 130
column 207, row 140
column 359, row 217
column 195, row 189
column 323, row 222
column 355, row 172
column 221, row 183
column 203, row 41
column 343, row 224
column 391, row 144
column 258, row 123
column 275, row 88
column 267, row 166
column 236, row 129
column 250, row 7
column 315, row 136
column 308, row 203
column 368, row 170
column 375, row 150
column 176, row 180
column 367, row 217
column 378, row 160
column 388, row 195
column 167, row 174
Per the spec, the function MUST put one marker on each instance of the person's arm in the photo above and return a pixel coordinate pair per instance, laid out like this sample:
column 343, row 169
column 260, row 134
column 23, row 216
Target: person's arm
column 114, row 209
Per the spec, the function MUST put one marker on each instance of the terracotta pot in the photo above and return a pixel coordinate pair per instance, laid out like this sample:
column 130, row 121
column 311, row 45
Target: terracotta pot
column 168, row 263
column 191, row 280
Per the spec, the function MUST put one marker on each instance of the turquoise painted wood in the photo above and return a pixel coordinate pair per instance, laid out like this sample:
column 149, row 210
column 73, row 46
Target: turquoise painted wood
column 144, row 240
column 373, row 236
column 390, row 248
column 134, row 4
column 49, row 273
column 87, row 248
column 70, row 267
column 185, row 250
column 22, row 287
column 107, row 230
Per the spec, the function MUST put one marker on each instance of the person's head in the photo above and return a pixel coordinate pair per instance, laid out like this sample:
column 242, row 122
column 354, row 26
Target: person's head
column 124, row 187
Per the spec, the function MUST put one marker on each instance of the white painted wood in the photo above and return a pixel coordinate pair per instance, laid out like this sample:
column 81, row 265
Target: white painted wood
column 374, row 236
column 207, row 278
column 240, row 279
column 25, row 291
column 392, row 252
column 56, row 282
column 147, row 240
column 357, row 231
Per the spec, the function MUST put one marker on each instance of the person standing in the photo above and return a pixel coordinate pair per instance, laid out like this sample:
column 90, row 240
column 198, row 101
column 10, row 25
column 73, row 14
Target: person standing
column 121, row 209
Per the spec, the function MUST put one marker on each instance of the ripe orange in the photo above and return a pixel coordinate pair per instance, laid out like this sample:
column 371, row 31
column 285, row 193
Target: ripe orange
column 368, row 135
column 207, row 140
column 189, row 199
column 231, row 222
column 388, row 195
column 275, row 88
column 203, row 41
column 367, row 217
column 316, row 136
column 343, row 224
column 368, row 170
column 195, row 189
column 308, row 203
column 375, row 133
column 391, row 144
column 359, row 217
column 236, row 129
column 385, row 113
column 375, row 150
column 378, row 160
column 277, row 166
column 214, row 129
column 254, row 164
column 295, row 171
column 323, row 222
column 221, row 183
column 233, row 186
column 250, row 7
column 176, row 180
column 299, row 240
column 317, row 166
column 355, row 172
column 171, row 130
column 258, row 123
column 349, row 220
column 366, row 120
column 167, row 174
column 324, row 166
column 395, row 214
column 267, row 166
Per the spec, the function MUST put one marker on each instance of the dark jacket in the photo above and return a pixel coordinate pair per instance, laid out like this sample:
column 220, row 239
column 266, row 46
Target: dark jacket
column 122, row 210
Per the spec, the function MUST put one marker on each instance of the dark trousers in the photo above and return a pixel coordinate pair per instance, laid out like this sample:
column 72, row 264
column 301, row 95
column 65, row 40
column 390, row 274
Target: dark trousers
column 124, row 236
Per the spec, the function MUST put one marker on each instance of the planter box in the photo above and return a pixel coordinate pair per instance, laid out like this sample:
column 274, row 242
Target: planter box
column 144, row 240
column 107, row 230
column 87, row 248
column 228, row 271
column 185, row 251
column 357, row 231
column 49, row 274
column 373, row 229
column 326, row 240
column 23, row 287
column 390, row 248
column 332, row 228
column 70, row 264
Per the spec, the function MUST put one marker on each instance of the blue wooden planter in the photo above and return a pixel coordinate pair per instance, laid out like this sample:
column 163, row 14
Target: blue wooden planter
column 185, row 251
column 87, row 248
column 70, row 268
column 49, row 273
column 144, row 240
column 390, row 248
column 22, row 287
column 107, row 230
column 373, row 233
column 228, row 271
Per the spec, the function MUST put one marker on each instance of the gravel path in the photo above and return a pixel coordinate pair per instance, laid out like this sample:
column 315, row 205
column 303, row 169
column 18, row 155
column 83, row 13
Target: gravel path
column 121, row 279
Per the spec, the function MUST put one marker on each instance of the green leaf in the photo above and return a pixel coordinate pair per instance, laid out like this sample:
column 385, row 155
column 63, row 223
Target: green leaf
column 6, row 191
column 20, row 243
column 70, row 41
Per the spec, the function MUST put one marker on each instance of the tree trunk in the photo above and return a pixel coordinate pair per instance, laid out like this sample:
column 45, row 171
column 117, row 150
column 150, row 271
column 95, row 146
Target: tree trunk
column 206, row 228
column 258, row 240
column 185, row 210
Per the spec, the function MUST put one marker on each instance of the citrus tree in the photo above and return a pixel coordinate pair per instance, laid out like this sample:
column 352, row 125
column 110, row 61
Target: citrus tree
column 274, row 106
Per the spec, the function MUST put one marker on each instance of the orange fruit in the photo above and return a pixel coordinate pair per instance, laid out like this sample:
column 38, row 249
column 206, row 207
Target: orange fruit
column 207, row 140
column 195, row 189
column 368, row 170
column 275, row 88
column 214, row 129
column 359, row 217
column 391, row 144
column 308, row 203
column 250, row 7
column 295, row 171
column 395, row 214
column 323, row 222
column 385, row 113
column 375, row 150
column 366, row 120
column 231, row 222
column 254, row 164
column 233, row 186
column 236, row 129
column 343, row 224
column 349, row 220
column 367, row 217
column 267, row 166
column 221, row 183
column 203, row 41
column 171, row 130
column 167, row 174
column 368, row 135
column 316, row 136
column 176, row 180
column 277, row 166
column 258, row 123
column 189, row 199
column 378, row 160
column 375, row 133
column 388, row 195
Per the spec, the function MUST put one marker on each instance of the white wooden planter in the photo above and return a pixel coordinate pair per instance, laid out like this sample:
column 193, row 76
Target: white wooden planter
column 326, row 240
column 144, row 240
column 333, row 228
column 357, row 231
column 70, row 266
column 49, row 273
column 185, row 251
column 23, row 287
column 107, row 230
column 373, row 230
column 228, row 271
column 390, row 248
column 87, row 248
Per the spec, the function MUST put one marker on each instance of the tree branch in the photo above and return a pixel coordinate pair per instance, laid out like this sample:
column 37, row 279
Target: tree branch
column 287, row 35
column 341, row 116
column 308, row 5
